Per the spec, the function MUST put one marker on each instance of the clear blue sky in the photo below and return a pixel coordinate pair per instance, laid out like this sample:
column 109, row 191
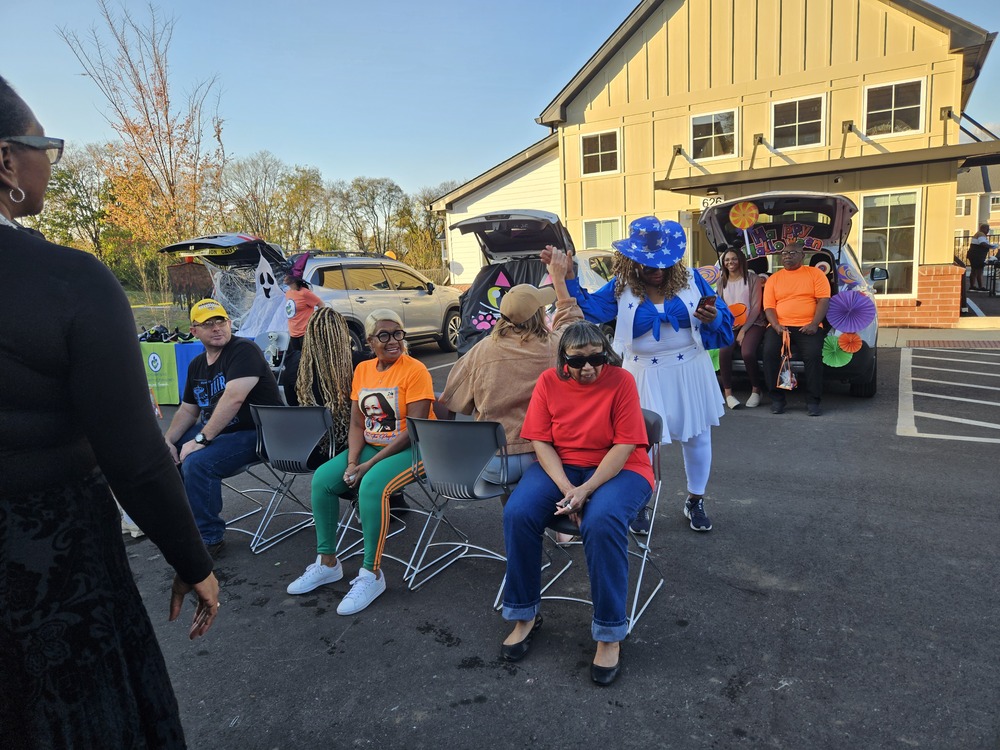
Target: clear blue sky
column 418, row 92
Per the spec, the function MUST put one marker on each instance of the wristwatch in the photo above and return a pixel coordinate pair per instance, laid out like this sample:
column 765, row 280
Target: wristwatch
column 200, row 439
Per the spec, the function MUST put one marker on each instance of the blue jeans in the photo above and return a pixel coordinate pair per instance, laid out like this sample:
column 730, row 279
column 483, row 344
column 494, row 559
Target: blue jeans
column 604, row 528
column 204, row 470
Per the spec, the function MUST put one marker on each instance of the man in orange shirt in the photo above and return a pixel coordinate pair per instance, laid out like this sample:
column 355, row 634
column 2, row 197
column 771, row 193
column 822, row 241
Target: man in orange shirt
column 795, row 300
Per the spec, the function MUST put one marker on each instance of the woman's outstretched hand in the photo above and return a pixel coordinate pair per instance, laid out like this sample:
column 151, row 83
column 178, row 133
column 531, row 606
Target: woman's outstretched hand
column 207, row 592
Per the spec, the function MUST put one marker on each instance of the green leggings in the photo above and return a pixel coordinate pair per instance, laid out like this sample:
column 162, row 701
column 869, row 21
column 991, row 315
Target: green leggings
column 384, row 478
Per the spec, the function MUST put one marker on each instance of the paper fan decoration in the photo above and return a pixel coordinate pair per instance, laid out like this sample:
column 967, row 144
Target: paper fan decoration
column 849, row 342
column 739, row 311
column 743, row 215
column 833, row 355
column 850, row 311
column 710, row 274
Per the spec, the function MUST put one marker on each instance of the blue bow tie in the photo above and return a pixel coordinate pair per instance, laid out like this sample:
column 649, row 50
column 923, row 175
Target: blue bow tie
column 667, row 317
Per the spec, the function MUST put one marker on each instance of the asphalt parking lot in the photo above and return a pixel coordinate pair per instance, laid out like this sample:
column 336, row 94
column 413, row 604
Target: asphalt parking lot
column 846, row 598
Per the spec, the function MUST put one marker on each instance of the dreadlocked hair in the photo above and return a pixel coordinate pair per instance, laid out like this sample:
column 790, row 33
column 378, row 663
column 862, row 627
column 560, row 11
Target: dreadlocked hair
column 325, row 369
column 628, row 273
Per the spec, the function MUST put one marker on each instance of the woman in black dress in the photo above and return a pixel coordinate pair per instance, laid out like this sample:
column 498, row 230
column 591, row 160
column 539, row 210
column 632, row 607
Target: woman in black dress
column 79, row 663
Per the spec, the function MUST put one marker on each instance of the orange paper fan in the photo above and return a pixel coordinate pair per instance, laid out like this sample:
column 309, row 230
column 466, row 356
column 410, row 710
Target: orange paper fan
column 849, row 342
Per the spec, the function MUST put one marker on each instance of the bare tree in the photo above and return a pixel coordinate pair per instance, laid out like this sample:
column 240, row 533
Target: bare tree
column 254, row 192
column 172, row 155
column 368, row 208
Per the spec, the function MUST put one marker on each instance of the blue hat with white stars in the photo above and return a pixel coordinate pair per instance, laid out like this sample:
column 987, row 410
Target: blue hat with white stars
column 653, row 243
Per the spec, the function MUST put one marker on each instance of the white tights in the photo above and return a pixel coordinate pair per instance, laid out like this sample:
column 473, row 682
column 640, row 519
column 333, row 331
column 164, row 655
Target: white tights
column 697, row 452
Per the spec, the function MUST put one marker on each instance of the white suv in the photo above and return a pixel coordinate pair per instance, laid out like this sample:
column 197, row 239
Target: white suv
column 355, row 285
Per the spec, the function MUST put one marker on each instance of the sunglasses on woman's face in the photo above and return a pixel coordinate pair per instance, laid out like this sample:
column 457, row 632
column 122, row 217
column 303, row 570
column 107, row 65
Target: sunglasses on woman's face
column 384, row 336
column 53, row 147
column 594, row 360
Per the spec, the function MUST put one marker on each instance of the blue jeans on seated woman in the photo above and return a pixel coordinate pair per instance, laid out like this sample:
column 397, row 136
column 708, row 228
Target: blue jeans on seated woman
column 604, row 529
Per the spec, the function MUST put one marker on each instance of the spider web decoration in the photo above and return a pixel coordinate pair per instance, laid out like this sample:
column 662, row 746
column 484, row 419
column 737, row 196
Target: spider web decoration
column 235, row 289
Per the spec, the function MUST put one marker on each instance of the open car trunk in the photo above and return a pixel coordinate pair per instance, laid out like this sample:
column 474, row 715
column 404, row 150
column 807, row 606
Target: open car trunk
column 511, row 242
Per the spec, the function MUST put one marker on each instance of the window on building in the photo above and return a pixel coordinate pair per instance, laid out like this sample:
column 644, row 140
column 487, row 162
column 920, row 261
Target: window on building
column 888, row 239
column 798, row 123
column 894, row 108
column 713, row 135
column 994, row 204
column 963, row 206
column 600, row 152
column 600, row 233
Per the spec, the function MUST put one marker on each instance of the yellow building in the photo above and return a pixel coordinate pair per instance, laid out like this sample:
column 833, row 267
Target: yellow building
column 691, row 101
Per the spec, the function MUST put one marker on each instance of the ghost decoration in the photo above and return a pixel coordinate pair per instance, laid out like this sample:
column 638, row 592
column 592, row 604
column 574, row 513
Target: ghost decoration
column 267, row 313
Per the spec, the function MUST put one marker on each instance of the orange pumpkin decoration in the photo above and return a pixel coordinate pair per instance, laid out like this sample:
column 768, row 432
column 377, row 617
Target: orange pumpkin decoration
column 849, row 342
column 743, row 215
column 739, row 311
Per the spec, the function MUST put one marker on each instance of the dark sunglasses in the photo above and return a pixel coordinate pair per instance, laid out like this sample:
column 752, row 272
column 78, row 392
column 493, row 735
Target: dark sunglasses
column 594, row 360
column 384, row 336
column 53, row 147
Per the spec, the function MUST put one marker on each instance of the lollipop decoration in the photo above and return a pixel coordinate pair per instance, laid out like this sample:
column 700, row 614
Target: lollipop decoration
column 710, row 274
column 850, row 311
column 848, row 276
column 744, row 215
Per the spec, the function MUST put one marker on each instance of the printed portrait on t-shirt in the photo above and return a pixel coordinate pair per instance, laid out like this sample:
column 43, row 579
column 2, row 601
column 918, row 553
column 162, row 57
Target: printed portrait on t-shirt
column 380, row 409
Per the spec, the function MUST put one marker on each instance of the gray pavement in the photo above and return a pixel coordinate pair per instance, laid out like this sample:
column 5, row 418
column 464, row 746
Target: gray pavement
column 846, row 598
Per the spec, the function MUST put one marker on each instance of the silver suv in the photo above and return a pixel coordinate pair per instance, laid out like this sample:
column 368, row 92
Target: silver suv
column 355, row 285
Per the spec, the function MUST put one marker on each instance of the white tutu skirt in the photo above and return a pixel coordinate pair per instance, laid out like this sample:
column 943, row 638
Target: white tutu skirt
column 685, row 395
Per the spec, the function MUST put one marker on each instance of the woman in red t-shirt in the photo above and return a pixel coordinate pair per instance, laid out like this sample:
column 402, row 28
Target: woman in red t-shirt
column 589, row 436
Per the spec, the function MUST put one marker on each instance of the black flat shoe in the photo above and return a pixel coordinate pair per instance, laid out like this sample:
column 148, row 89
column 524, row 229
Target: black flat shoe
column 517, row 651
column 604, row 676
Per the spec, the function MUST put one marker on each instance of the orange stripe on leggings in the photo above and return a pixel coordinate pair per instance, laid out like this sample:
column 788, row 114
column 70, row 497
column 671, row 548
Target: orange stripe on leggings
column 396, row 483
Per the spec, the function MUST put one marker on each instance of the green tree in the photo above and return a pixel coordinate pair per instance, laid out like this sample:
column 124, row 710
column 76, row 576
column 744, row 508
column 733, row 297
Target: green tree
column 420, row 227
column 75, row 202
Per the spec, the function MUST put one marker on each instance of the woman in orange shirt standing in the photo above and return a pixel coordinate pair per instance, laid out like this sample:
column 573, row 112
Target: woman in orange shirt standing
column 299, row 305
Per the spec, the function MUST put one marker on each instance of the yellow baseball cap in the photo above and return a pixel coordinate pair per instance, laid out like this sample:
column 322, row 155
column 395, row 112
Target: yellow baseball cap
column 207, row 309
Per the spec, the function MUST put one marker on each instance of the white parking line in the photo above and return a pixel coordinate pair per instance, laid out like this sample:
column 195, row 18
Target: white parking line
column 958, row 398
column 960, row 385
column 948, row 369
column 906, row 425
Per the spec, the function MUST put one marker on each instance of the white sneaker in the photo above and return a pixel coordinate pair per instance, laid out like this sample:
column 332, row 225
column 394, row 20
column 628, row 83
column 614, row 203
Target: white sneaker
column 316, row 575
column 365, row 589
column 732, row 402
column 753, row 401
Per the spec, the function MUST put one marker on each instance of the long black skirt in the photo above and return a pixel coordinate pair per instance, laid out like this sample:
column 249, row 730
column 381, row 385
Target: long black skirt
column 79, row 663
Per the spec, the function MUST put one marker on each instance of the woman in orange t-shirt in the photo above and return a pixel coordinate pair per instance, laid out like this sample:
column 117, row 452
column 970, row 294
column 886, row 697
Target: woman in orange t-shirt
column 299, row 305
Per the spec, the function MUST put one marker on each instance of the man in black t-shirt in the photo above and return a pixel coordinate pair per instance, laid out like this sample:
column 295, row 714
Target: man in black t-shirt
column 212, row 435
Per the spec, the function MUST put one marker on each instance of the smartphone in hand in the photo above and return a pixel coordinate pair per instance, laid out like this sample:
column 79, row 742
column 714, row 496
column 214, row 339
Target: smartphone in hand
column 707, row 300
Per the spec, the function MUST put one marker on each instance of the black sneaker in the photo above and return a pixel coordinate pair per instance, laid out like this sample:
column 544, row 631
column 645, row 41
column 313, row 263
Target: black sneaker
column 640, row 524
column 777, row 407
column 814, row 409
column 694, row 509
